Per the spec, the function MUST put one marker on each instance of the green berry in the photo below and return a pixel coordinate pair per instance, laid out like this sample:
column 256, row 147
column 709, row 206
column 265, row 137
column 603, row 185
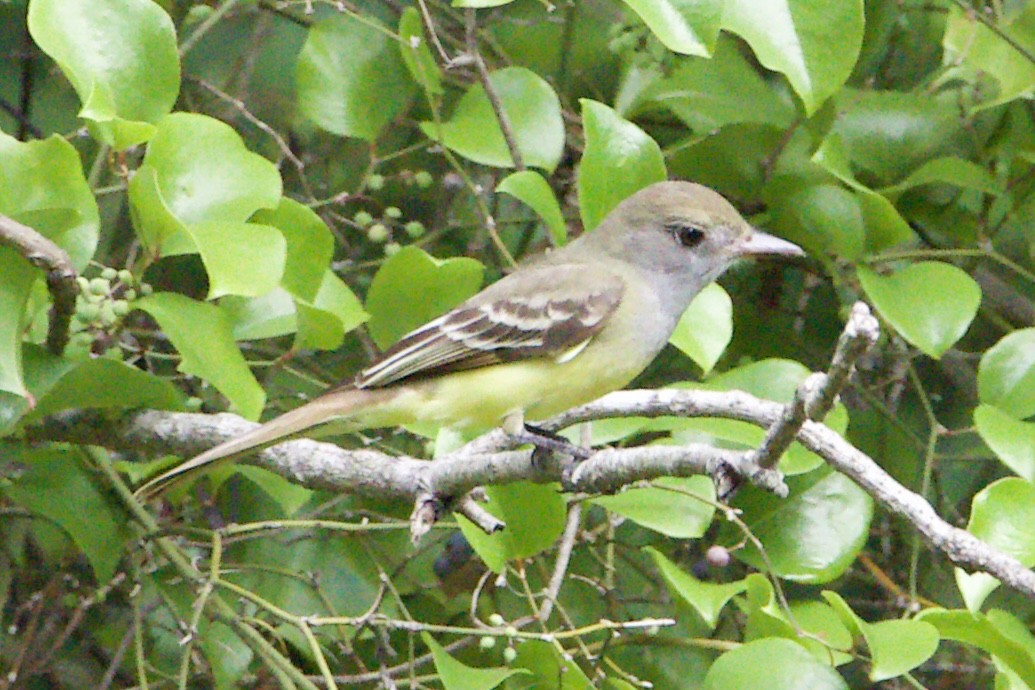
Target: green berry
column 414, row 229
column 193, row 404
column 146, row 289
column 109, row 273
column 130, row 295
column 392, row 248
column 120, row 307
column 83, row 283
column 376, row 182
column 126, row 276
column 487, row 642
column 496, row 619
column 100, row 286
column 106, row 317
column 509, row 655
column 197, row 14
column 363, row 219
column 510, row 631
column 393, row 212
column 87, row 312
column 423, row 179
column 377, row 233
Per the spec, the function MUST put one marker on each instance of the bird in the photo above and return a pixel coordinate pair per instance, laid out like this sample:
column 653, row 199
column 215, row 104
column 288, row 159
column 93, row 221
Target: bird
column 562, row 329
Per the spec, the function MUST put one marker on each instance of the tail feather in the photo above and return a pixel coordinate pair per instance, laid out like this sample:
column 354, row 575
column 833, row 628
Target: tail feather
column 337, row 405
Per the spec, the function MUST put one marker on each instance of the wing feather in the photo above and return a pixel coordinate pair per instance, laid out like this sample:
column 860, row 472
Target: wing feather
column 542, row 312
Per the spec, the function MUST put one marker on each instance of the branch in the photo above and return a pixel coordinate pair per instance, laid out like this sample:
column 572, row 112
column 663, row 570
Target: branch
column 816, row 395
column 373, row 474
column 963, row 549
column 42, row 253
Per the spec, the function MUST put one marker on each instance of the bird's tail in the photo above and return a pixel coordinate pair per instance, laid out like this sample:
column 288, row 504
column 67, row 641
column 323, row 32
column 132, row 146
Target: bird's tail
column 337, row 405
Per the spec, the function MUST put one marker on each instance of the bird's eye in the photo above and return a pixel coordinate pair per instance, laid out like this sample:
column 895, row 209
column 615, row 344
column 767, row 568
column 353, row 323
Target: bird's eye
column 686, row 234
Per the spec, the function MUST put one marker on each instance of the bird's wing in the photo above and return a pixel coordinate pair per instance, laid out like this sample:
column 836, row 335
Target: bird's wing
column 547, row 311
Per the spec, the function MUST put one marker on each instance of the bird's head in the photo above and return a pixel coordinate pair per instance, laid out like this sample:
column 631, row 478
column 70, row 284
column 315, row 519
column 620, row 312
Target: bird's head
column 685, row 229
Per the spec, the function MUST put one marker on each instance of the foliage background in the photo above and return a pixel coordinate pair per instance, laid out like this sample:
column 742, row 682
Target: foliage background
column 253, row 191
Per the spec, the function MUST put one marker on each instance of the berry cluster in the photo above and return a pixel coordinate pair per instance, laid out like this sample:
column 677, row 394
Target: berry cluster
column 383, row 230
column 103, row 302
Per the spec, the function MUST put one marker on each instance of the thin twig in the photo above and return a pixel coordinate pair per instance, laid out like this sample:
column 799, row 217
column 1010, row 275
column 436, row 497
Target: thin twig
column 560, row 568
column 429, row 24
column 206, row 26
column 974, row 13
column 240, row 106
column 61, row 275
column 490, row 90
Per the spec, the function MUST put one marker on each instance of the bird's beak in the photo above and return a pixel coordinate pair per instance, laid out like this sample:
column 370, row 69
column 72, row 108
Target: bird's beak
column 759, row 243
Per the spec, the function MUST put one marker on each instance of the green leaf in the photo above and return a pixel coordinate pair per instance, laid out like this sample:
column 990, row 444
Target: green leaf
column 266, row 316
column 41, row 185
column 1006, row 374
column 240, row 258
column 668, row 512
column 814, row 44
column 814, row 535
column 321, row 323
column 828, row 635
column 19, row 276
column 120, row 56
column 931, row 304
column 823, row 218
column 529, row 187
column 773, row 664
column 457, row 676
column 310, row 246
column 619, row 159
column 698, row 93
column 416, row 54
column 984, row 49
column 335, row 311
column 56, row 486
column 949, row 170
column 992, row 633
column 197, row 170
column 290, row 497
column 412, row 287
column 1001, row 514
column 201, row 334
column 890, row 134
column 896, row 646
column 227, row 654
column 350, row 76
column 1012, row 441
column 706, row 327
column 534, row 514
column 534, row 111
column 707, row 598
column 314, row 302
column 348, row 575
column 690, row 27
column 550, row 669
column 885, row 227
column 61, row 384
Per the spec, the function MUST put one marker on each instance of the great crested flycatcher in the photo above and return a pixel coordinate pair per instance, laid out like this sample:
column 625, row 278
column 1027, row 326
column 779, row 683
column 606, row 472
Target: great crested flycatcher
column 563, row 329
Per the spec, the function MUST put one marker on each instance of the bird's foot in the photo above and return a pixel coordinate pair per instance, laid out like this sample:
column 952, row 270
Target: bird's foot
column 547, row 444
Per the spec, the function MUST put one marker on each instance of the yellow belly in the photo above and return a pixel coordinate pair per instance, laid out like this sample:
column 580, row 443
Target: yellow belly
column 481, row 398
